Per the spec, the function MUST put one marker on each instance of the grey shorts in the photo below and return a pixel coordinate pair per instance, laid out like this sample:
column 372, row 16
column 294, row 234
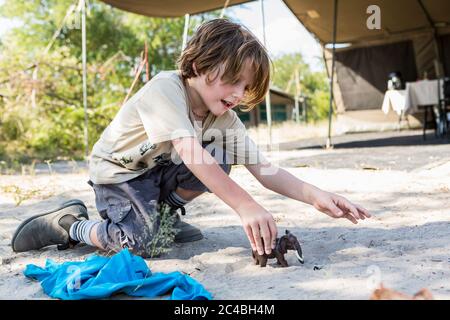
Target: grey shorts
column 128, row 208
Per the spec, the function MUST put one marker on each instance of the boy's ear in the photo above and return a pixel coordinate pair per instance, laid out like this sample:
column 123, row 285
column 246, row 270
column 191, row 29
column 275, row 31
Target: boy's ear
column 194, row 67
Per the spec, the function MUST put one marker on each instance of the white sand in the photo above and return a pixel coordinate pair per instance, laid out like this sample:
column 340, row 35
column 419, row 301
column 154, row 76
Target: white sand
column 406, row 244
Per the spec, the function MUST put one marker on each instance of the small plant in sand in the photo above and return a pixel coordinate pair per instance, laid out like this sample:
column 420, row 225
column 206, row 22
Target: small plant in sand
column 162, row 221
column 19, row 194
column 29, row 169
column 50, row 170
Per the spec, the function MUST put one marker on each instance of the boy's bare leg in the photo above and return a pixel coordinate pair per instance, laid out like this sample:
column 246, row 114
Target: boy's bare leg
column 94, row 237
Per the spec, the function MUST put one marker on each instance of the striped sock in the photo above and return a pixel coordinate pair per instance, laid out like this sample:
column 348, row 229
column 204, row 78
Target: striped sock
column 81, row 231
column 175, row 200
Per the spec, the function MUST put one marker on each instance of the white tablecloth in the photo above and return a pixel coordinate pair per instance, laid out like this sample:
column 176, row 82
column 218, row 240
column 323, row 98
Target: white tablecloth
column 419, row 93
column 395, row 100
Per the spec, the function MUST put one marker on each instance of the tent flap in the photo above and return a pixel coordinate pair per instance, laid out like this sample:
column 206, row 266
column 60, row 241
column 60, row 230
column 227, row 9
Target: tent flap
column 406, row 41
column 396, row 17
column 363, row 72
column 170, row 8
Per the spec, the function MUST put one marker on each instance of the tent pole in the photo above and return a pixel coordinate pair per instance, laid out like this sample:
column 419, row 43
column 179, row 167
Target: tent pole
column 438, row 65
column 185, row 31
column 297, row 95
column 330, row 111
column 268, row 105
column 222, row 13
column 83, row 57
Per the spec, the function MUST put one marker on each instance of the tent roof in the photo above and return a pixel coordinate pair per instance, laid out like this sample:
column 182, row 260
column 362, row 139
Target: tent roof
column 170, row 8
column 397, row 17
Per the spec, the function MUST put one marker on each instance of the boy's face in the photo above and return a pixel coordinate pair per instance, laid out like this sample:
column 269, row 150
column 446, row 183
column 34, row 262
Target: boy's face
column 218, row 96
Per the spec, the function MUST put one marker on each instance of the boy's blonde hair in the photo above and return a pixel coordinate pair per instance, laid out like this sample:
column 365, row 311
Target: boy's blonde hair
column 220, row 41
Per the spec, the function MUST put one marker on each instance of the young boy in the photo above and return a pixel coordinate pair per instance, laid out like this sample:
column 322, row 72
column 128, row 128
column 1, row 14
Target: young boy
column 173, row 140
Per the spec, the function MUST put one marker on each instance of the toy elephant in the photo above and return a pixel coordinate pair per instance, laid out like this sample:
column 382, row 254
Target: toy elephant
column 285, row 243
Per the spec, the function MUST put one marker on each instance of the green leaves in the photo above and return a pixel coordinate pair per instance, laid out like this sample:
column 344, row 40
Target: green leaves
column 313, row 85
column 53, row 126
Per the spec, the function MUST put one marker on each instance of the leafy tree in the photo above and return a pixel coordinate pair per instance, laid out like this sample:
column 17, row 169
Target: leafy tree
column 314, row 85
column 51, row 125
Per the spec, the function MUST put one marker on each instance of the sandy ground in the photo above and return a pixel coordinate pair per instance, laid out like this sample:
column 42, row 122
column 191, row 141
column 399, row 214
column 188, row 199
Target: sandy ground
column 406, row 245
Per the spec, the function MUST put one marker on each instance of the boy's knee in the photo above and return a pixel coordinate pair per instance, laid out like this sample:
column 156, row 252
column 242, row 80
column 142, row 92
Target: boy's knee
column 139, row 244
column 127, row 231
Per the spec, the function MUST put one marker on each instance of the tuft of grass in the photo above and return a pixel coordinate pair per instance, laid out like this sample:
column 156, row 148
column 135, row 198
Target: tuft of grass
column 163, row 221
column 29, row 169
column 20, row 195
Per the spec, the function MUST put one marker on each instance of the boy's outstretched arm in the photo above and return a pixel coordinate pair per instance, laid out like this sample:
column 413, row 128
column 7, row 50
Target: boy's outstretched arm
column 284, row 183
column 257, row 222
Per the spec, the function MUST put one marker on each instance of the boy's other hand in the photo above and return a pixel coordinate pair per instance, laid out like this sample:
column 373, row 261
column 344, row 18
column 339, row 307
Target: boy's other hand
column 259, row 227
column 339, row 207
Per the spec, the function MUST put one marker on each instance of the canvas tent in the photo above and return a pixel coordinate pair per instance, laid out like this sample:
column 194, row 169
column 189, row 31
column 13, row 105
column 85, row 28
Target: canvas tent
column 413, row 38
column 411, row 35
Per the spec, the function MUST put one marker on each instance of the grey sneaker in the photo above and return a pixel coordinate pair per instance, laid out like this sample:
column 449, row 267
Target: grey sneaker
column 46, row 228
column 187, row 232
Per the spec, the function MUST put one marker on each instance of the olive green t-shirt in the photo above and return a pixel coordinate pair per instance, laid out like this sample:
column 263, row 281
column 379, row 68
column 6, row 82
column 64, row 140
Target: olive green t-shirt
column 140, row 136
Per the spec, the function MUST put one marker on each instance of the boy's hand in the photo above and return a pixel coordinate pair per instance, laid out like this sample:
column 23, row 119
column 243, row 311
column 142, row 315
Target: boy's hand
column 260, row 228
column 339, row 207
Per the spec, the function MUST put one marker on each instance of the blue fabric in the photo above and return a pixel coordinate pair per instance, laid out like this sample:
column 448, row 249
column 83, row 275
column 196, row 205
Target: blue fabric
column 100, row 277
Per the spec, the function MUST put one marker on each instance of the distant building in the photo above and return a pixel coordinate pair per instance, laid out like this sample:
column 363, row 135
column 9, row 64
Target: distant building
column 282, row 109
